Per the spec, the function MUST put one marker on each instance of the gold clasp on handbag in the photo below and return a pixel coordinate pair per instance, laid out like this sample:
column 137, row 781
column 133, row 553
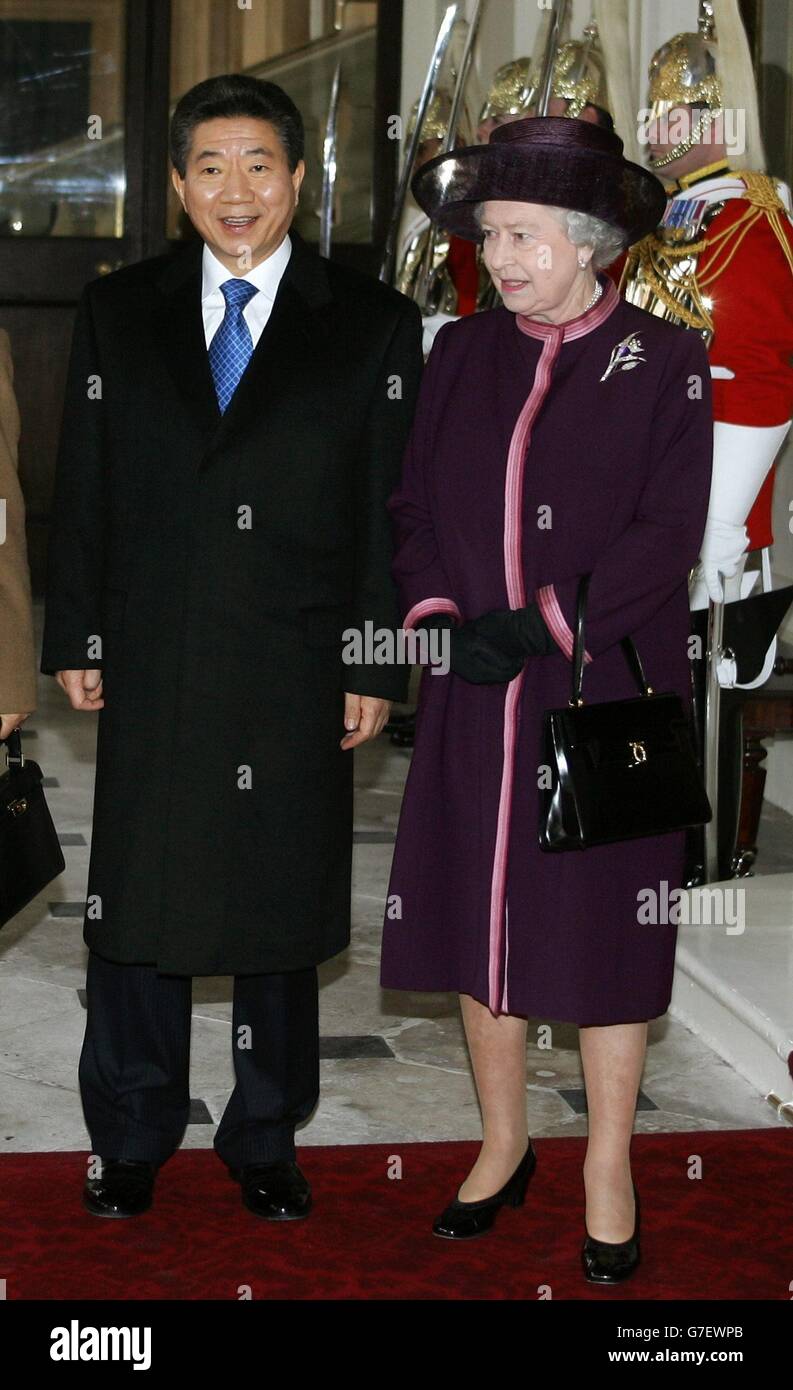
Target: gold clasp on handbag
column 18, row 807
column 638, row 750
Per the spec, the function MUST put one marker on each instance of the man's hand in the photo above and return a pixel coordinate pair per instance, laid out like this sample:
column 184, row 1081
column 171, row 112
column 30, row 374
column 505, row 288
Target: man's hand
column 10, row 722
column 365, row 716
column 84, row 688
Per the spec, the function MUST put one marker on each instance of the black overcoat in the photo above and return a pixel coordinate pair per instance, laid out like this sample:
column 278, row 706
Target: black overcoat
column 219, row 559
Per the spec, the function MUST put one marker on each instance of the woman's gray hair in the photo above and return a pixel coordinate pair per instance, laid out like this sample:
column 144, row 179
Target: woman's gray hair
column 584, row 230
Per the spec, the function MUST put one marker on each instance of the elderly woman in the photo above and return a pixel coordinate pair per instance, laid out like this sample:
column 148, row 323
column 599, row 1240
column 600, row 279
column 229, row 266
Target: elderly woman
column 560, row 434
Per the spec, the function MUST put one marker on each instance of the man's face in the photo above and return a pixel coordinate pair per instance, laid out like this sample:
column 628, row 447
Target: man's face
column 665, row 134
column 559, row 106
column 238, row 189
column 485, row 128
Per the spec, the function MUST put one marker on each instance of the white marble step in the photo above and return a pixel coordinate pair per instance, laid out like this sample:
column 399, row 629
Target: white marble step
column 734, row 976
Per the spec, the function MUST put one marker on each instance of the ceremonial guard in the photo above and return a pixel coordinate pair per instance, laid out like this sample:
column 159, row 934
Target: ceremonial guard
column 510, row 97
column 721, row 263
column 578, row 88
column 454, row 276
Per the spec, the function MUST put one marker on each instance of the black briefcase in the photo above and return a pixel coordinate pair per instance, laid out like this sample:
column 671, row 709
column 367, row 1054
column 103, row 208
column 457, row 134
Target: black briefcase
column 619, row 769
column 30, row 855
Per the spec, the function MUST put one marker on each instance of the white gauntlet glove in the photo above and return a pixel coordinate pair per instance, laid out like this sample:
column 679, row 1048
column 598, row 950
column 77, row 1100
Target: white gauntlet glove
column 742, row 456
column 723, row 545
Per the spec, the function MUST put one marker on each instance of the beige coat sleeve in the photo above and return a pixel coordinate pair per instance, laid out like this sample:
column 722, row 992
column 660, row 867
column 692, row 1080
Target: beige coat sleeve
column 17, row 660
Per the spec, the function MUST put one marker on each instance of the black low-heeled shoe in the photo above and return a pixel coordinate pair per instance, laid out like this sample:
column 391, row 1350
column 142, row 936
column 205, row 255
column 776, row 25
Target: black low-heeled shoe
column 462, row 1220
column 607, row 1262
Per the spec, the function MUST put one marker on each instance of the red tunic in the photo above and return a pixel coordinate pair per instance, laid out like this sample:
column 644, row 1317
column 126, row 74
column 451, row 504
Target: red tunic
column 464, row 270
column 750, row 355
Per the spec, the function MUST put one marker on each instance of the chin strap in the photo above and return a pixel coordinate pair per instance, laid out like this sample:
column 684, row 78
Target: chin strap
column 702, row 126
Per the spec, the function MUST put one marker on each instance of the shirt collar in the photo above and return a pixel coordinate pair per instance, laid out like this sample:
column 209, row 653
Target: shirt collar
column 266, row 276
column 708, row 171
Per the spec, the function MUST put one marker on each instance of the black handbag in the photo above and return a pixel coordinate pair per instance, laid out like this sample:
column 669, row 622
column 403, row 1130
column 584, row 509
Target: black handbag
column 30, row 855
column 620, row 769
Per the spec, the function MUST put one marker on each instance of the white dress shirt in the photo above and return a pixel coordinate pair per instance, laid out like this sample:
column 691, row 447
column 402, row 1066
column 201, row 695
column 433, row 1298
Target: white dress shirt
column 266, row 277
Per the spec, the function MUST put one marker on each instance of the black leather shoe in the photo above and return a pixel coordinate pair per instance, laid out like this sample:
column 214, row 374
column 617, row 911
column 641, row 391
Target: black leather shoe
column 125, row 1188
column 276, row 1191
column 463, row 1220
column 608, row 1262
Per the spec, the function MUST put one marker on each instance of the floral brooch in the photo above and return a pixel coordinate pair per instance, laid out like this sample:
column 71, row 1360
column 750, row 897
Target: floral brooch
column 625, row 356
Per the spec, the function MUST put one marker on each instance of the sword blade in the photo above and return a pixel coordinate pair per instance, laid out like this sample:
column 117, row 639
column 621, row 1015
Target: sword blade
column 329, row 165
column 712, row 705
column 427, row 93
column 425, row 274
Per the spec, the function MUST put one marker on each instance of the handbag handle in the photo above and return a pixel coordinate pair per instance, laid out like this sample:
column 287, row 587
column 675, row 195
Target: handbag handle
column 14, row 755
column 627, row 644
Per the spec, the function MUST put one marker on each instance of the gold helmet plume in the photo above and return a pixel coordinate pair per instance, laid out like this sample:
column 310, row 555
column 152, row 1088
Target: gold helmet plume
column 579, row 74
column 436, row 121
column 683, row 72
column 511, row 92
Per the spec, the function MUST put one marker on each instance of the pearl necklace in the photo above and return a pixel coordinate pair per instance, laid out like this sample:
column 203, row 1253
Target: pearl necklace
column 595, row 297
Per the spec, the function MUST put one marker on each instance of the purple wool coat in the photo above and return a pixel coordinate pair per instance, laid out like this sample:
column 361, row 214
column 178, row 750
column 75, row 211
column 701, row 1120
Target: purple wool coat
column 540, row 453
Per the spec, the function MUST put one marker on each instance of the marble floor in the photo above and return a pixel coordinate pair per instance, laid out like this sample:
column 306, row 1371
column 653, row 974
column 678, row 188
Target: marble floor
column 394, row 1065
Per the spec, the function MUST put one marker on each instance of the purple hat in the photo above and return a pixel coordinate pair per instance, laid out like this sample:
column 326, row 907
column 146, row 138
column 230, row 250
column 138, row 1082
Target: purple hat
column 555, row 160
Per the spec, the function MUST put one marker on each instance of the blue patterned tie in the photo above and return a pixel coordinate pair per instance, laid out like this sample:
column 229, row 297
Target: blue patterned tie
column 231, row 348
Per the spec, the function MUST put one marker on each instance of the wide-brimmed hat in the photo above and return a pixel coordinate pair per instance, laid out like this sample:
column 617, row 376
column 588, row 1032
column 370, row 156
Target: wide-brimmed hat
column 542, row 159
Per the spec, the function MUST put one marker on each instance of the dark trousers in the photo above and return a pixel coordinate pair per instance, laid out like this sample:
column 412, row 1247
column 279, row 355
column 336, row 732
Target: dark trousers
column 134, row 1065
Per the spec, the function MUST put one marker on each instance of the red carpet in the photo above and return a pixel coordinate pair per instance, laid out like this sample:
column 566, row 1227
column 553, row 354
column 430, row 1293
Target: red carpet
column 726, row 1236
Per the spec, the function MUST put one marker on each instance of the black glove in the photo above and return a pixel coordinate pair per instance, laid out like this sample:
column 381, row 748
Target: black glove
column 492, row 649
column 472, row 657
column 518, row 631
column 480, row 661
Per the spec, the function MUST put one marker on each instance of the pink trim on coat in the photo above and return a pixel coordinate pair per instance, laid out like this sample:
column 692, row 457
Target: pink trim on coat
column 584, row 323
column 516, row 592
column 555, row 335
column 430, row 605
column 556, row 621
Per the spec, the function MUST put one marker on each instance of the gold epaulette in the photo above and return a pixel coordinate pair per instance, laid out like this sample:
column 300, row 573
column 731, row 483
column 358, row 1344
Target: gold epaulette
column 760, row 190
column 764, row 201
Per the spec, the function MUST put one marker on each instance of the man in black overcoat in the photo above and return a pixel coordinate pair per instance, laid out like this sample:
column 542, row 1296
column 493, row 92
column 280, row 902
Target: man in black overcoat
column 235, row 419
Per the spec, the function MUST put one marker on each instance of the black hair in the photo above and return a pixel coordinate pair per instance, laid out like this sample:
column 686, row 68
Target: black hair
column 236, row 95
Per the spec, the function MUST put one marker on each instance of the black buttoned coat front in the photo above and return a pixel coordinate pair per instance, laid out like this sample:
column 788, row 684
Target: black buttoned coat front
column 219, row 560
